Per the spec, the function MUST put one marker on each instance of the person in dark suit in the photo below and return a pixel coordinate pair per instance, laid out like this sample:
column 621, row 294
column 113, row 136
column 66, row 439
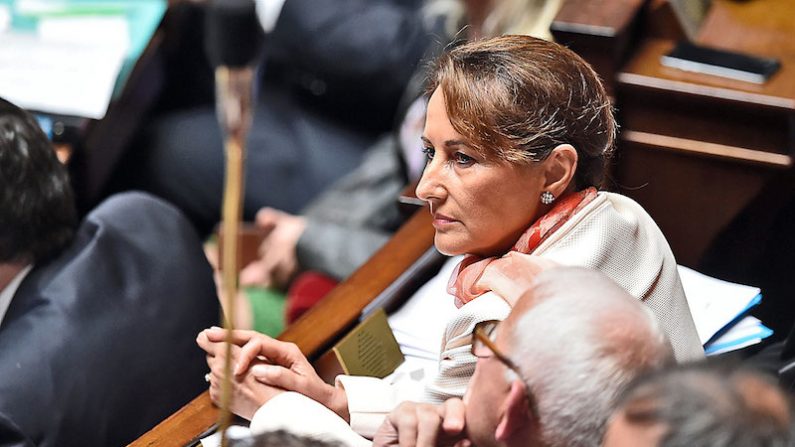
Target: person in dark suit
column 97, row 343
column 331, row 79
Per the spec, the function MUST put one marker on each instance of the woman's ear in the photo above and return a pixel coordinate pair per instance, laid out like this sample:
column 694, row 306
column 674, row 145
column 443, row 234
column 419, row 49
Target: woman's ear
column 560, row 167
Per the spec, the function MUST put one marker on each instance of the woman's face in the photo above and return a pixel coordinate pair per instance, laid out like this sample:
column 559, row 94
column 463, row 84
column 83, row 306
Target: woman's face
column 478, row 206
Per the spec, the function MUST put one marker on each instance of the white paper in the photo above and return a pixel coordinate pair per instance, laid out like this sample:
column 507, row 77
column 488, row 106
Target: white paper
column 56, row 77
column 93, row 31
column 420, row 323
column 5, row 18
column 749, row 331
column 714, row 302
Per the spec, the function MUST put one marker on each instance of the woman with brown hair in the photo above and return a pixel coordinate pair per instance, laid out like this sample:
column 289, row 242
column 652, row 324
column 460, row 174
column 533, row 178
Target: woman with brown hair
column 517, row 134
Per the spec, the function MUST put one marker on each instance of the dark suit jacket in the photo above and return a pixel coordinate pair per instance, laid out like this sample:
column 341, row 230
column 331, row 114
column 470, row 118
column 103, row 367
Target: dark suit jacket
column 333, row 73
column 98, row 345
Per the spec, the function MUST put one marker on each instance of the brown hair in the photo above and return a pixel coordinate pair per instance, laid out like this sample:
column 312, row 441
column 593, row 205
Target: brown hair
column 516, row 98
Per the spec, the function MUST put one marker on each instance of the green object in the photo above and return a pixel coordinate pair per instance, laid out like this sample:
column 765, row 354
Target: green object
column 267, row 310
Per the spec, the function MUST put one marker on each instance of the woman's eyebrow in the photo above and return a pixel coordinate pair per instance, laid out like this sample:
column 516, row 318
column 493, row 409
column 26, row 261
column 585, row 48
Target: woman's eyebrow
column 454, row 143
column 448, row 143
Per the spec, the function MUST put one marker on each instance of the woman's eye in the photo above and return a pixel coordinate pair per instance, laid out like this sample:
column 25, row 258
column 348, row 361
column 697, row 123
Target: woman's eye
column 429, row 153
column 463, row 159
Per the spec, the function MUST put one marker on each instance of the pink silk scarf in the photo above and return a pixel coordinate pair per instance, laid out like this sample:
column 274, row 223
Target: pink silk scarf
column 463, row 282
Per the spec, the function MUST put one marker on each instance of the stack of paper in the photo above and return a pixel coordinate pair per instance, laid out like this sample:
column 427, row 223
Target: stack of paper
column 719, row 310
column 71, row 57
column 63, row 78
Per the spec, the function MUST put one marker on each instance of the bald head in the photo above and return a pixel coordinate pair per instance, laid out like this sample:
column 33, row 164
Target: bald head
column 579, row 340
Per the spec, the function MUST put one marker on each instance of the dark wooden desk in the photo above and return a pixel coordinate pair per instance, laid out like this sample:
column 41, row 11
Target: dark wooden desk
column 322, row 325
column 694, row 149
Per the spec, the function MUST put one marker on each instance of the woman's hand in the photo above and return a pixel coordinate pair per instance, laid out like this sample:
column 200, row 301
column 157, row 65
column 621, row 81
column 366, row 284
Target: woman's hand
column 513, row 274
column 248, row 394
column 278, row 261
column 281, row 365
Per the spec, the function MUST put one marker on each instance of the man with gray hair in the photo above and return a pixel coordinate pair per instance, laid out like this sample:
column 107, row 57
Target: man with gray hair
column 549, row 374
column 705, row 405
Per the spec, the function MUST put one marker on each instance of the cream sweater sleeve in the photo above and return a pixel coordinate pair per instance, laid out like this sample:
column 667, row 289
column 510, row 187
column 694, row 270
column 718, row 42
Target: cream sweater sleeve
column 371, row 399
column 456, row 362
column 300, row 415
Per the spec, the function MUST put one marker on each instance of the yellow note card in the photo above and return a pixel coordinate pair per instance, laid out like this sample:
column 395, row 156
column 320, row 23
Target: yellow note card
column 370, row 349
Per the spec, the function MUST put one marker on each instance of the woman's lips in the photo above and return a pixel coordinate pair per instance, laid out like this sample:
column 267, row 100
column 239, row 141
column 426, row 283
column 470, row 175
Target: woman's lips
column 441, row 221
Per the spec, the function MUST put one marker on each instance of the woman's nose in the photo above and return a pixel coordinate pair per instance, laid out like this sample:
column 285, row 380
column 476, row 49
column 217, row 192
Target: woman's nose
column 429, row 186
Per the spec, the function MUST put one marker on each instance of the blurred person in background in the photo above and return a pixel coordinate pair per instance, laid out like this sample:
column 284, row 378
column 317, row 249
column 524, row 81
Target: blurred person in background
column 705, row 405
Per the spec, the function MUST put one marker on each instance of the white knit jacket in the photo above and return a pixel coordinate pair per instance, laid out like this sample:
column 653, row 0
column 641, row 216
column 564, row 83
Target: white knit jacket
column 612, row 234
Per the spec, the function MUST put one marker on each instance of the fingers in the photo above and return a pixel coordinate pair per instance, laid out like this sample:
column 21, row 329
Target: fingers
column 239, row 337
column 268, row 218
column 416, row 424
column 406, row 422
column 454, row 416
column 429, row 423
column 257, row 273
column 204, row 343
column 513, row 275
column 248, row 353
column 252, row 345
column 387, row 434
column 277, row 352
column 216, row 375
column 278, row 376
column 281, row 353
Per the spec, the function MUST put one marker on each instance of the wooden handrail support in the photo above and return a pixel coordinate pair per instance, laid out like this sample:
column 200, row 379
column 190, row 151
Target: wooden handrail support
column 316, row 330
column 601, row 32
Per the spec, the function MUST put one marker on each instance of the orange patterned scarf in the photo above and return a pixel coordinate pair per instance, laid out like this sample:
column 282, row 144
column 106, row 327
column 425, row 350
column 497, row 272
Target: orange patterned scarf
column 463, row 282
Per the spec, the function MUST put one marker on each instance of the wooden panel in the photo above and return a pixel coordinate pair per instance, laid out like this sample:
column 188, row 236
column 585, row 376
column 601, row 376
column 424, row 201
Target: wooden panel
column 600, row 32
column 604, row 18
column 645, row 67
column 318, row 328
column 763, row 27
column 666, row 101
column 718, row 151
column 660, row 21
column 695, row 150
column 184, row 427
column 690, row 196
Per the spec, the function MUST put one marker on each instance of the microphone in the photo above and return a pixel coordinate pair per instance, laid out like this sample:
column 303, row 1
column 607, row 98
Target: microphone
column 233, row 42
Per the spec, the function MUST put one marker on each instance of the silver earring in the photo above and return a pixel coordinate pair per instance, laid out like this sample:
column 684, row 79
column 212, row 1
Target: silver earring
column 547, row 197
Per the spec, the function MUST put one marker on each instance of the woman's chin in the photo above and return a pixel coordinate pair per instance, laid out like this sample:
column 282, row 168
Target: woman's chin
column 449, row 248
column 453, row 247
